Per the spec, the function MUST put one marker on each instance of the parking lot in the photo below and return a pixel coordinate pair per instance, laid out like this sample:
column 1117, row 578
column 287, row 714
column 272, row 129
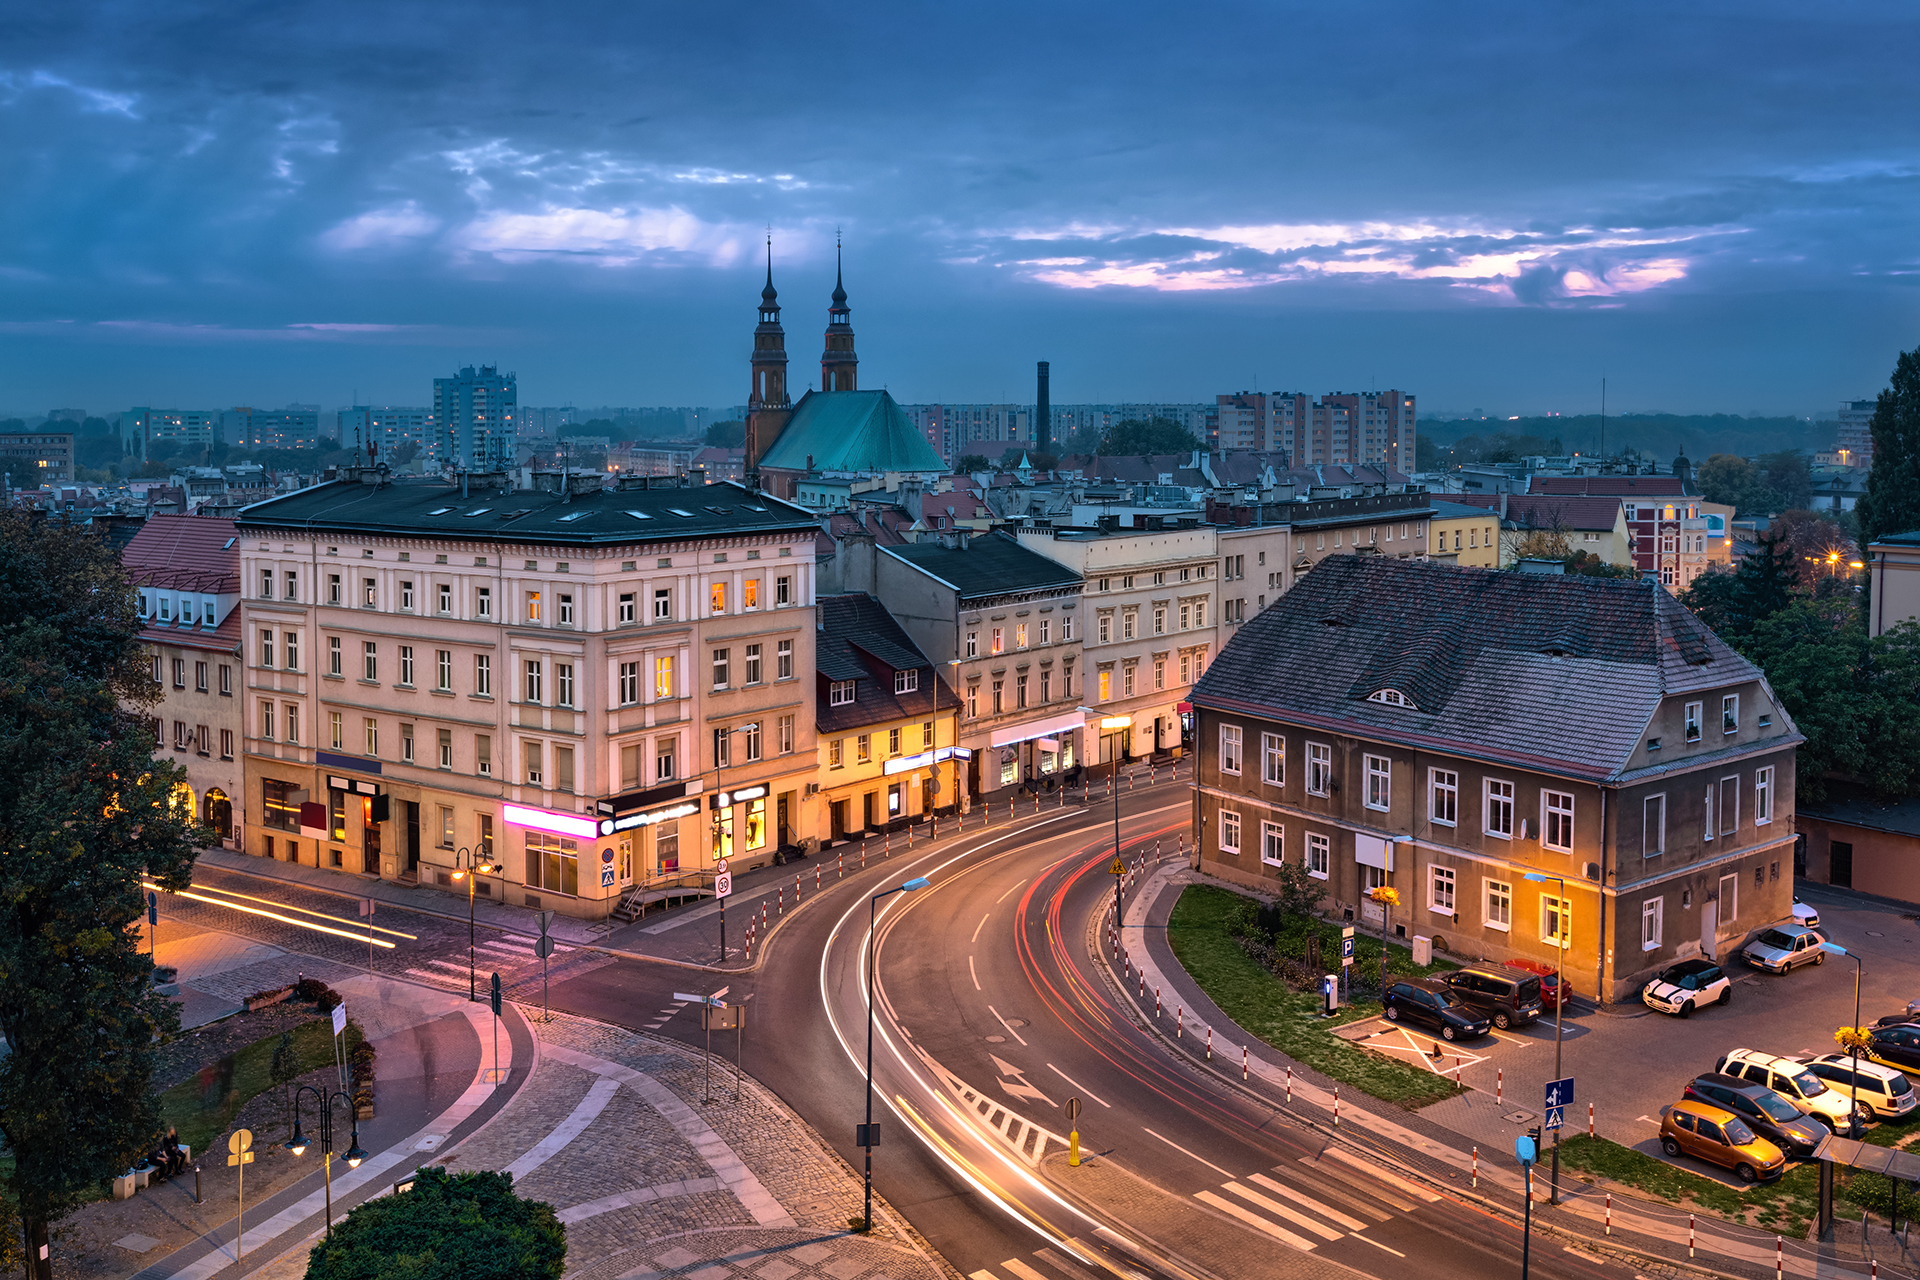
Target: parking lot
column 1629, row 1064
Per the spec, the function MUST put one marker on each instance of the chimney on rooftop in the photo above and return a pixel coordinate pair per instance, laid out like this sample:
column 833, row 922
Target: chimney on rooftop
column 1043, row 412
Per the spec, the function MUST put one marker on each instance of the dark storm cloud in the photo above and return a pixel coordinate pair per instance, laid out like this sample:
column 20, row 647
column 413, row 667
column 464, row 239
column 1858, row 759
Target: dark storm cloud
column 212, row 203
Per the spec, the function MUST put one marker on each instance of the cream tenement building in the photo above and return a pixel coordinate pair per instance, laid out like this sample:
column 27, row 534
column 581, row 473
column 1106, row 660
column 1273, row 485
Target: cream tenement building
column 592, row 689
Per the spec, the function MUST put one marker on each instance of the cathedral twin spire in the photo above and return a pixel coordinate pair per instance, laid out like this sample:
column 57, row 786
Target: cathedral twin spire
column 839, row 362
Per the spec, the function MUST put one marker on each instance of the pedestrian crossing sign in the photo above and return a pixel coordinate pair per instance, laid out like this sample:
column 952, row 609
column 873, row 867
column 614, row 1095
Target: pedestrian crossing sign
column 1556, row 1117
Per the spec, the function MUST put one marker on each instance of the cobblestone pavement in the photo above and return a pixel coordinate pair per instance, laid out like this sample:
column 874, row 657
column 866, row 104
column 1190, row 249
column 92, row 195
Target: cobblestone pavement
column 612, row 1130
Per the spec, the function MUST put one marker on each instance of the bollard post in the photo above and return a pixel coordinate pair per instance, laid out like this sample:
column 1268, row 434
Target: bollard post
column 1779, row 1259
column 909, row 837
column 780, row 900
column 1289, row 1084
column 842, row 871
column 886, row 845
column 796, row 888
column 1609, row 1213
column 1476, row 1168
column 1336, row 1104
column 1143, row 984
column 1156, row 1003
column 1689, row 1235
column 1589, row 1119
column 1209, row 1044
column 196, row 1184
column 1499, row 1083
column 863, row 855
column 1243, row 1064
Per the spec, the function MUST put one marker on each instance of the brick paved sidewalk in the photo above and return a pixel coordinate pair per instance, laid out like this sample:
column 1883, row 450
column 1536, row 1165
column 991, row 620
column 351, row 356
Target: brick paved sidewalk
column 653, row 1182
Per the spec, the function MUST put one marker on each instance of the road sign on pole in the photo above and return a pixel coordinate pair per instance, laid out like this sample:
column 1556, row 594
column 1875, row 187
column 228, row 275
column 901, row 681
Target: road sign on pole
column 723, row 885
column 1559, row 1094
column 1556, row 1118
column 1523, row 1149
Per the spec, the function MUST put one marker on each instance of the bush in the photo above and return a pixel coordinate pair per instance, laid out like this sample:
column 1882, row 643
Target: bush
column 468, row 1226
column 322, row 995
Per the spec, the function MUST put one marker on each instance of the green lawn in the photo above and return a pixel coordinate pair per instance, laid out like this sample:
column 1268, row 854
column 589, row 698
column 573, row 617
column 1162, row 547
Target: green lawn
column 202, row 1108
column 1289, row 1021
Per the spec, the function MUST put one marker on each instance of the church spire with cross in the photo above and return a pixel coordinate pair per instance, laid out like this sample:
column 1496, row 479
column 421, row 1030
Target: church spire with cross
column 839, row 365
column 768, row 405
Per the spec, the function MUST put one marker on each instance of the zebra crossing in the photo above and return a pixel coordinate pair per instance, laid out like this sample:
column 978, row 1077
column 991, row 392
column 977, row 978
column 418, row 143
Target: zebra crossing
column 510, row 957
column 1301, row 1221
column 1058, row 1266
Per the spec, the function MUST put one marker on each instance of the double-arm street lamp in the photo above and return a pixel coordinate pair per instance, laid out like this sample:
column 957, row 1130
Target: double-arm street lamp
column 298, row 1142
column 867, row 1135
column 1560, row 1002
column 468, row 866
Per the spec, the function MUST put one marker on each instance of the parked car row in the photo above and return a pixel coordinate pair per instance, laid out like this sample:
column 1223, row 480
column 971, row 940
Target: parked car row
column 1470, row 1000
column 1686, row 985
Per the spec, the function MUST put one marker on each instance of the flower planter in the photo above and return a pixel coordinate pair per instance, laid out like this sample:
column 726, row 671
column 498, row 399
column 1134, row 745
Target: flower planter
column 363, row 1113
column 257, row 1002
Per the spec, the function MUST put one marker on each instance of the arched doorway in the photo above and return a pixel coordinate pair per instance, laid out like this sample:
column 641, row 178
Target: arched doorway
column 217, row 812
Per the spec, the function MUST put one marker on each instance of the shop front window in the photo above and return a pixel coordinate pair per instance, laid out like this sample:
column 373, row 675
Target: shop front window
column 757, row 824
column 723, row 833
column 553, row 863
column 666, row 847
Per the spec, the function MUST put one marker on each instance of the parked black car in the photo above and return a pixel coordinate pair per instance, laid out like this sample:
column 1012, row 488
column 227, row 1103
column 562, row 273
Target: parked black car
column 1766, row 1112
column 1508, row 996
column 1433, row 1004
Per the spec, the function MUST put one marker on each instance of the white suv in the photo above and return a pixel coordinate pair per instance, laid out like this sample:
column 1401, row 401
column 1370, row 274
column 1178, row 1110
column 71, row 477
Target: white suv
column 1885, row 1089
column 1795, row 1082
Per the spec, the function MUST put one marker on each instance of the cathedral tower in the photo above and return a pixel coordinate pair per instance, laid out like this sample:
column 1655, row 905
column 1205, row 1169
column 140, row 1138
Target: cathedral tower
column 839, row 366
column 768, row 407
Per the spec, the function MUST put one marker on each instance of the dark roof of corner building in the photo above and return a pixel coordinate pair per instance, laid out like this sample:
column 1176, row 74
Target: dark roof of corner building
column 1898, row 539
column 993, row 565
column 851, row 431
column 1619, row 486
column 859, row 640
column 1558, row 674
column 600, row 517
column 1447, row 509
column 1544, row 510
column 1852, row 805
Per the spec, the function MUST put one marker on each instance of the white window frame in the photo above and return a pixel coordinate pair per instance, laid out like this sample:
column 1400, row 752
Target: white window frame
column 906, row 681
column 1561, row 911
column 1763, row 795
column 1319, row 768
column 1230, row 831
column 1230, row 746
column 1443, row 782
column 1696, row 718
column 1728, row 827
column 1442, row 884
column 1488, row 800
column 1653, row 913
column 841, row 693
column 1552, row 815
column 1273, row 759
column 1497, row 905
column 1730, row 711
column 1379, row 792
column 1273, row 843
column 1319, row 855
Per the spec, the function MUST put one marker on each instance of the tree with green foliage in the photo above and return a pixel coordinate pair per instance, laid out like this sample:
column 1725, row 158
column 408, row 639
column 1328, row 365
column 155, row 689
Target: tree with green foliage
column 731, row 434
column 1711, row 598
column 1891, row 503
column 1766, row 580
column 466, row 1226
column 1790, row 475
column 970, row 462
column 85, row 810
column 1733, row 481
column 1814, row 653
column 1134, row 437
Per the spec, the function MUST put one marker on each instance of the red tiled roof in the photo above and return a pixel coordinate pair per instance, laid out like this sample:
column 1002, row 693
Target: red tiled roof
column 189, row 553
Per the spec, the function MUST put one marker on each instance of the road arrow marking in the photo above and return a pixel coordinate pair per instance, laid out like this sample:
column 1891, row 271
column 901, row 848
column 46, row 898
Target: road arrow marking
column 1018, row 1085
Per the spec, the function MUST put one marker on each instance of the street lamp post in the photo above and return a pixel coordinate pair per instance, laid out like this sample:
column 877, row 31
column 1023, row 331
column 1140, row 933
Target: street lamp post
column 298, row 1142
column 1853, row 1040
column 1114, row 724
column 466, row 867
column 1559, row 1004
column 866, row 1130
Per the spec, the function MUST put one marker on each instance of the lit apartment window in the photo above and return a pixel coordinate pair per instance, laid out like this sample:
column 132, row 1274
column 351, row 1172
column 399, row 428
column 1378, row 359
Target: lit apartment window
column 533, row 606
column 750, row 594
column 717, row 598
column 663, row 676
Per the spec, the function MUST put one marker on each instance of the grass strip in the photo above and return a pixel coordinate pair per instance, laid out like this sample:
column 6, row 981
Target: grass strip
column 1290, row 1021
column 203, row 1107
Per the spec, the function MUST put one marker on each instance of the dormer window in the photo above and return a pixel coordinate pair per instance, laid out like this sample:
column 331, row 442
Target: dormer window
column 1391, row 697
column 906, row 681
column 840, row 693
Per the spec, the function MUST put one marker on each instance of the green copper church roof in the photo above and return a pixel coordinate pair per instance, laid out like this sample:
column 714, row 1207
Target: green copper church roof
column 851, row 431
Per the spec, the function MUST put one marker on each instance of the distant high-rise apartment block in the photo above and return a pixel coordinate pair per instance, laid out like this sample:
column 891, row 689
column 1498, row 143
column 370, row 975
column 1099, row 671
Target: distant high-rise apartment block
column 47, row 455
column 390, row 426
column 1856, row 432
column 475, row 413
column 955, row 430
column 188, row 429
column 1340, row 428
column 295, row 427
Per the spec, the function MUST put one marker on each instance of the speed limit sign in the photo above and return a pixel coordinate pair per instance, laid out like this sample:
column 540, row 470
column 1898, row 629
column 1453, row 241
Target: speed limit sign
column 723, row 885
column 720, row 867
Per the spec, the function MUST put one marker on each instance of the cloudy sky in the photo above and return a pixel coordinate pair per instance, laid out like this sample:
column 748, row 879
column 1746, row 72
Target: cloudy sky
column 1712, row 205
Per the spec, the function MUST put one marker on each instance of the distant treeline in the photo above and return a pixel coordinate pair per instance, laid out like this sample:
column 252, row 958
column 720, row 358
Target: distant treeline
column 1660, row 435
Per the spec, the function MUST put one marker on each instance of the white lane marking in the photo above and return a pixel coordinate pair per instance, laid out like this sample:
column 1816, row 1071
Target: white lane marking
column 1376, row 1244
column 1061, row 1265
column 1082, row 1088
column 977, row 928
column 1188, row 1154
column 983, row 1275
column 567, row 1130
column 1003, row 897
column 1003, row 1022
column 1291, row 1215
column 1254, row 1220
column 973, row 974
column 1275, row 1185
column 1015, row 1082
column 1022, row 1270
column 1648, row 1119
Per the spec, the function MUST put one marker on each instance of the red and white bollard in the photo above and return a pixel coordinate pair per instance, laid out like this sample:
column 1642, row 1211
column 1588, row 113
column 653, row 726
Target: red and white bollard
column 1209, row 1044
column 1779, row 1259
column 1143, row 984
column 863, row 855
column 1589, row 1119
column 816, row 877
column 841, row 872
column 1475, row 1182
column 796, row 888
column 1336, row 1105
column 1180, row 1022
column 1689, row 1235
column 1609, row 1219
column 886, row 845
column 1289, row 1084
column 1499, row 1083
column 1156, row 1003
column 780, row 900
column 1243, row 1064
column 763, row 913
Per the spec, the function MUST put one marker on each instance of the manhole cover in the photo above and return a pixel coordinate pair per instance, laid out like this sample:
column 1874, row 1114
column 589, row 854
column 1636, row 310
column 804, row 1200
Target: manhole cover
column 1517, row 1117
column 1872, row 934
column 1021, row 1022
column 996, row 1039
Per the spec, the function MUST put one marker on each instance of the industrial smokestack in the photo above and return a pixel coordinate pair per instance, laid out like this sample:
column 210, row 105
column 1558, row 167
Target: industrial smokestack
column 1043, row 415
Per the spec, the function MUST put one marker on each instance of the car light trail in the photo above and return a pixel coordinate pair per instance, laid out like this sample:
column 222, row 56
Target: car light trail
column 318, row 915
column 274, row 915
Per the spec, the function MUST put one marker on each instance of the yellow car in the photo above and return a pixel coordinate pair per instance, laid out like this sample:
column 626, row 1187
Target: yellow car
column 1720, row 1137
